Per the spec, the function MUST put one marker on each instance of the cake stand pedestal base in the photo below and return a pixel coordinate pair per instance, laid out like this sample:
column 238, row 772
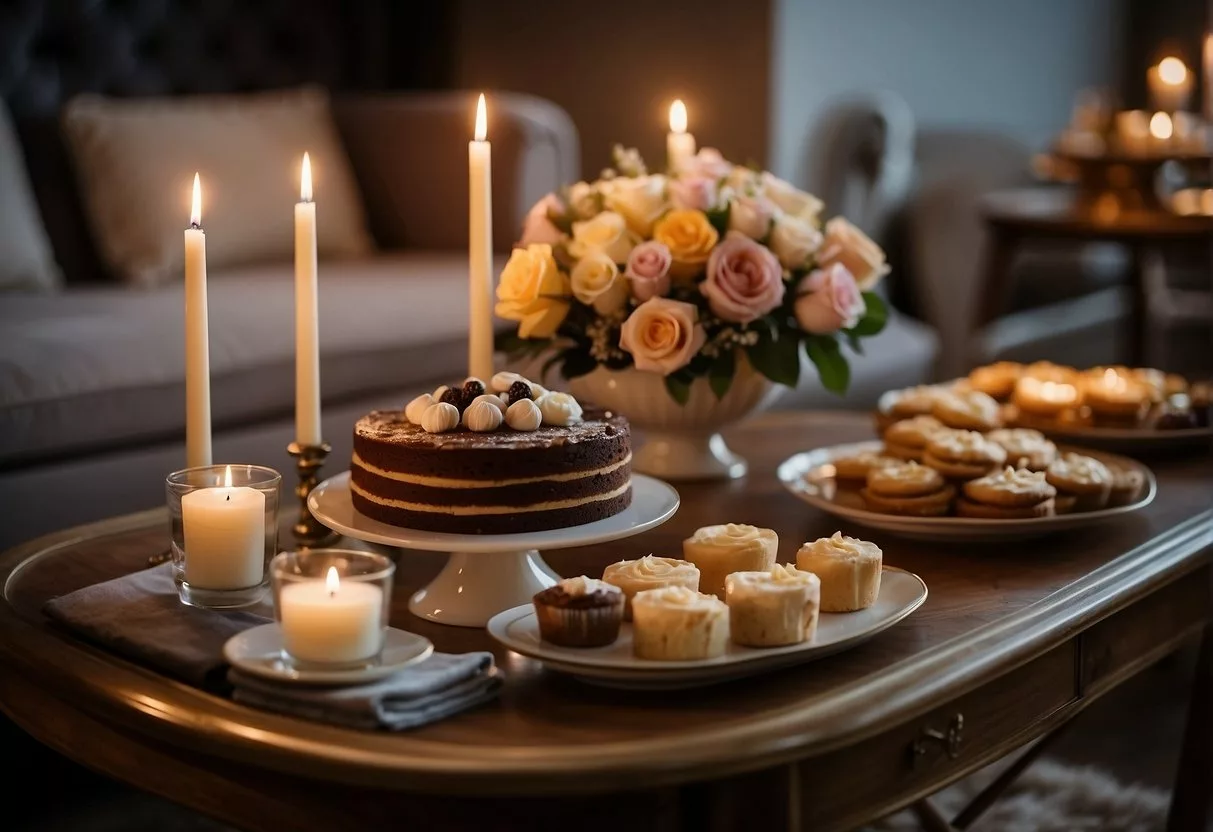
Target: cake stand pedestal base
column 472, row 588
column 678, row 456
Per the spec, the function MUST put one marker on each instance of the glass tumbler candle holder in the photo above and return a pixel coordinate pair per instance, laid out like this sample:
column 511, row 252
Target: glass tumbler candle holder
column 224, row 522
column 332, row 606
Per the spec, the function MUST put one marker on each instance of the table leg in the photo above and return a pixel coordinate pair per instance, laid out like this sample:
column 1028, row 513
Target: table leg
column 996, row 277
column 1189, row 810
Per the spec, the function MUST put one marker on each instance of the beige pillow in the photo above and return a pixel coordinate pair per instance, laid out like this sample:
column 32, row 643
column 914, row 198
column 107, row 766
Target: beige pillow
column 26, row 260
column 136, row 159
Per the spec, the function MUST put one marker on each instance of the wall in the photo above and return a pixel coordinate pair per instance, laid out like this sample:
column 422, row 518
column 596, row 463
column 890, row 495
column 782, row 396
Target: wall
column 617, row 66
column 1011, row 65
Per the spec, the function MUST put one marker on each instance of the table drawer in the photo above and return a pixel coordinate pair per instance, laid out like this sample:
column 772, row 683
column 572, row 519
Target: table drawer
column 1128, row 641
column 921, row 755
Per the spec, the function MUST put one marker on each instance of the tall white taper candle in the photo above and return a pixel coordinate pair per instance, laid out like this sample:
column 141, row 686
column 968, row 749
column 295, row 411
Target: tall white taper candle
column 480, row 251
column 197, row 348
column 307, row 343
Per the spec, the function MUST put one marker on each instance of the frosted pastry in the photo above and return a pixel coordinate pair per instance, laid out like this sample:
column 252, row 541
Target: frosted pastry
column 963, row 454
column 997, row 379
column 650, row 572
column 771, row 609
column 579, row 612
column 678, row 624
column 855, row 467
column 1026, row 448
column 907, row 438
column 908, row 488
column 849, row 570
column 968, row 410
column 1010, row 494
column 1083, row 483
column 719, row 551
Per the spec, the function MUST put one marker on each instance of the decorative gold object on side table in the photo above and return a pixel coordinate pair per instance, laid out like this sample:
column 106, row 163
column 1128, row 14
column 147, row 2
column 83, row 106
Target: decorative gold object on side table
column 308, row 531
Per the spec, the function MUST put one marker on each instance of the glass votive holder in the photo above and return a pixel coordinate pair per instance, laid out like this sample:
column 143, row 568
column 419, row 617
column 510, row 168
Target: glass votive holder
column 332, row 606
column 224, row 522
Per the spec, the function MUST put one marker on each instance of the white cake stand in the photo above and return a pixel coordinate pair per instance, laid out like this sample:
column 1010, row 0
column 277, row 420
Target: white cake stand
column 488, row 573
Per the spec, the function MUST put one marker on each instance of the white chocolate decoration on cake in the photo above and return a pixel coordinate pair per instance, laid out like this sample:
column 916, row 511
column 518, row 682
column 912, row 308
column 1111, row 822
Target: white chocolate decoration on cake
column 524, row 415
column 719, row 551
column 502, row 382
column 440, row 418
column 559, row 409
column 849, row 570
column 771, row 609
column 416, row 409
column 650, row 572
column 491, row 398
column 482, row 417
column 678, row 624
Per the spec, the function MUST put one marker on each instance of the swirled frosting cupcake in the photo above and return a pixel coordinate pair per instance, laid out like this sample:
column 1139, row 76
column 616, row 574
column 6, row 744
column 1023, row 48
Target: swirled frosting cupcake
column 719, row 551
column 678, row 624
column 650, row 572
column 771, row 609
column 849, row 569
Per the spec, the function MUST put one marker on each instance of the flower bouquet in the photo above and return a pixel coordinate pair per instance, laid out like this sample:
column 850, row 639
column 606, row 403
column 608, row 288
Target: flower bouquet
column 707, row 271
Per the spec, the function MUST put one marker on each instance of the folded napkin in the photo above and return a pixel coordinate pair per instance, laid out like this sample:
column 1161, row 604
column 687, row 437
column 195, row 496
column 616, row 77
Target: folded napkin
column 140, row 616
column 442, row 685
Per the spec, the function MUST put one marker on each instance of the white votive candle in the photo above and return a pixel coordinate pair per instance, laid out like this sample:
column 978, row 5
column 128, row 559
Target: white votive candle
column 224, row 536
column 330, row 622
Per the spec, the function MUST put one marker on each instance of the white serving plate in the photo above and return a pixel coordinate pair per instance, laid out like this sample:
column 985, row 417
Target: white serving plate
column 901, row 593
column 810, row 477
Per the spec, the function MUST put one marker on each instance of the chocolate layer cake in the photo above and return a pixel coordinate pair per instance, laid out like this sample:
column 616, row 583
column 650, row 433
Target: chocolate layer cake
column 497, row 482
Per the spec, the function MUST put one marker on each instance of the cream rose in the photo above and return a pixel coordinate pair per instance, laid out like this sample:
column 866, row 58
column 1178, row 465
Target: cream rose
column 846, row 244
column 828, row 300
column 707, row 162
column 743, row 180
column 584, row 200
column 607, row 232
column 791, row 200
column 690, row 238
column 662, row 335
column 639, row 200
column 751, row 216
column 793, row 241
column 533, row 291
column 698, row 193
column 596, row 282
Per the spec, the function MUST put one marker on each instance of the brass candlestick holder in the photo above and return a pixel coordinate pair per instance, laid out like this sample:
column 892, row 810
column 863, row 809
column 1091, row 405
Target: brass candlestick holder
column 309, row 532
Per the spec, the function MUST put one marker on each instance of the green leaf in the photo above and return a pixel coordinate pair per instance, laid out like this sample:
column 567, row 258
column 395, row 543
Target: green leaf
column 831, row 364
column 512, row 345
column 853, row 341
column 719, row 219
column 720, row 374
column 777, row 358
column 679, row 387
column 577, row 363
column 874, row 317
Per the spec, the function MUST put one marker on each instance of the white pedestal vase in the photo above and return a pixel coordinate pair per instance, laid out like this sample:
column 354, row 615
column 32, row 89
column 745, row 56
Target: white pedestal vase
column 679, row 441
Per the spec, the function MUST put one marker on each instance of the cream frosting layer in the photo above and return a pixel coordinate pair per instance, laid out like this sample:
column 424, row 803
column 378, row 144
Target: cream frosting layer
column 450, row 482
column 430, row 508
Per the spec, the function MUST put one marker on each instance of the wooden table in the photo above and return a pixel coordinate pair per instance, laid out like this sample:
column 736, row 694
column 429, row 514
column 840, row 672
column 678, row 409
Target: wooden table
column 1056, row 212
column 1014, row 640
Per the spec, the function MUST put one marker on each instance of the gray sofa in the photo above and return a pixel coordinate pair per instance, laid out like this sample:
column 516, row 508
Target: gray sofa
column 92, row 377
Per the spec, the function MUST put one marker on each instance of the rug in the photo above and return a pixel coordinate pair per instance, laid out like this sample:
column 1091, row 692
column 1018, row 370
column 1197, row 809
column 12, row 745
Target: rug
column 1049, row 797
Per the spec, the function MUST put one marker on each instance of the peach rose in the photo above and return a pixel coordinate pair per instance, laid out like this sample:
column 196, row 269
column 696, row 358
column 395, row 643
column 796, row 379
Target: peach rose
column 828, row 300
column 662, row 335
column 790, row 199
column 846, row 244
column 533, row 291
column 689, row 237
column 537, row 228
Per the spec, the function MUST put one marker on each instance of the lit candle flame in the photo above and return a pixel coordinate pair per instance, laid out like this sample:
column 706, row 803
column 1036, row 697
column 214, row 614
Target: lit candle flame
column 1172, row 71
column 678, row 116
column 227, row 477
column 305, row 180
column 331, row 582
column 196, row 204
column 1161, row 126
column 482, row 127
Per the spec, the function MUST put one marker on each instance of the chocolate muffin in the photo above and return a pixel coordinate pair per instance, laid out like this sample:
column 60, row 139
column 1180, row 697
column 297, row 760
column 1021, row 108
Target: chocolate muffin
column 580, row 612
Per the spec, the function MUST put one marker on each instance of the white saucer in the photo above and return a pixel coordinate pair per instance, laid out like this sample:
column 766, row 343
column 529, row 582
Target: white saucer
column 901, row 593
column 259, row 651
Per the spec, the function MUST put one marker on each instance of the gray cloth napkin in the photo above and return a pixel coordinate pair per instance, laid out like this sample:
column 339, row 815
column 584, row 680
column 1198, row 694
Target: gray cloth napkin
column 442, row 685
column 140, row 616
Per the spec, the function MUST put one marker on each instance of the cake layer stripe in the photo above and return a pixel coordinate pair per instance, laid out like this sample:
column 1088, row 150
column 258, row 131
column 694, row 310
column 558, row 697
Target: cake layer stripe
column 511, row 523
column 451, row 482
column 589, row 484
column 547, row 505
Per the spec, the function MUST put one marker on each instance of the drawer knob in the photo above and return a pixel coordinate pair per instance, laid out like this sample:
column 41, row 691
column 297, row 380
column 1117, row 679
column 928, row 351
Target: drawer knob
column 948, row 739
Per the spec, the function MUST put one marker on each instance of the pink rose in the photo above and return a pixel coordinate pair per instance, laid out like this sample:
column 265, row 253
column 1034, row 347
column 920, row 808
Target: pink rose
column 662, row 335
column 537, row 228
column 829, row 300
column 752, row 216
column 744, row 280
column 648, row 270
column 707, row 163
column 698, row 193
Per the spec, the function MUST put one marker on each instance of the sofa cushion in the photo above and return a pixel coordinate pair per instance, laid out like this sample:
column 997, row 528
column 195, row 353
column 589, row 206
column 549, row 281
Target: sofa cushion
column 104, row 368
column 136, row 160
column 28, row 263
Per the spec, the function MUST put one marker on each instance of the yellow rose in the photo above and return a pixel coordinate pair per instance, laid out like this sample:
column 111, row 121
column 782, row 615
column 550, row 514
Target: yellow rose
column 689, row 237
column 607, row 232
column 533, row 291
column 639, row 200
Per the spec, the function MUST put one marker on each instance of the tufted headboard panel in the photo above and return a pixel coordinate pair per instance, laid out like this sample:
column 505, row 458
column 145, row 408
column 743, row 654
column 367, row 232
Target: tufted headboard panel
column 50, row 50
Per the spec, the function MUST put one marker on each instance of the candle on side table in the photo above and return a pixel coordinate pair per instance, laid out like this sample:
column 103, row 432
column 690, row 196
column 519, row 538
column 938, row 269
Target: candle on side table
column 331, row 621
column 480, row 249
column 224, row 536
column 679, row 144
column 307, row 349
column 197, row 348
column 1170, row 85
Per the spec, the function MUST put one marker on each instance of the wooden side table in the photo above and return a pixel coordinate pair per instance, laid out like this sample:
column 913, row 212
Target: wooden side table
column 1056, row 212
